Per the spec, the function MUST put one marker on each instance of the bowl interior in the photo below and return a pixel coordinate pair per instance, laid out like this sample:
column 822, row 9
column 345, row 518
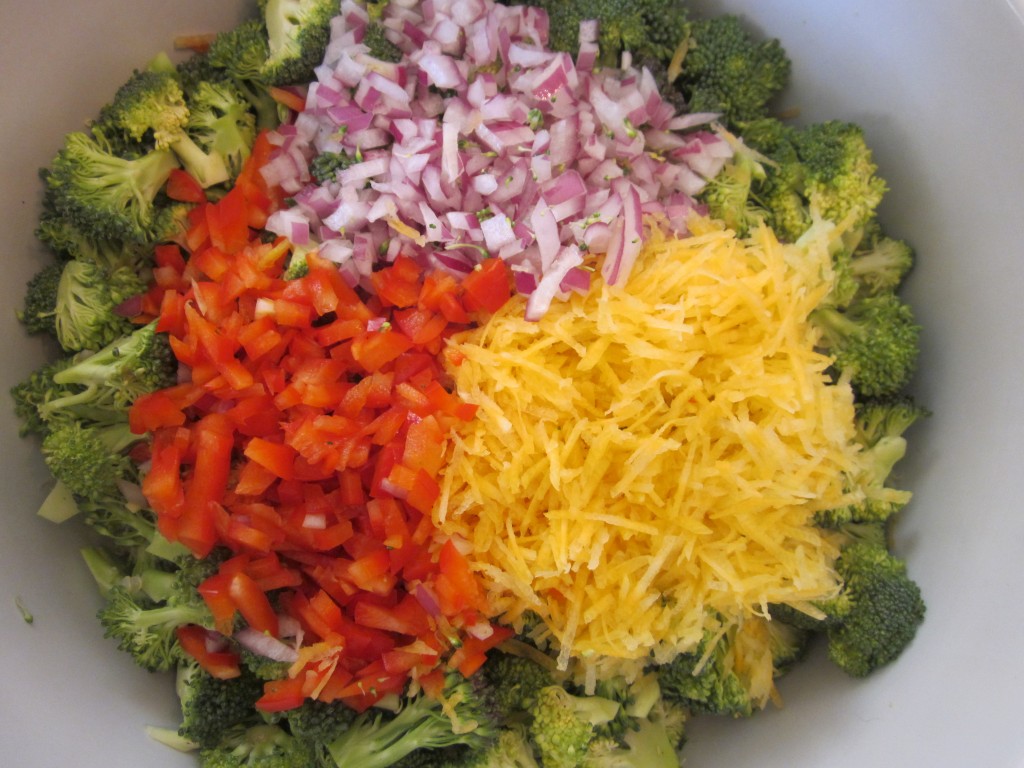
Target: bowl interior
column 936, row 86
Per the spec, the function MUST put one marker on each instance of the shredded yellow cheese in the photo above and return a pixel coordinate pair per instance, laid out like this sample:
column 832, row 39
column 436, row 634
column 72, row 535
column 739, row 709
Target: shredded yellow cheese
column 651, row 455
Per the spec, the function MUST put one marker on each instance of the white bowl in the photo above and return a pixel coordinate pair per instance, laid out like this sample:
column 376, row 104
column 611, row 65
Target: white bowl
column 937, row 84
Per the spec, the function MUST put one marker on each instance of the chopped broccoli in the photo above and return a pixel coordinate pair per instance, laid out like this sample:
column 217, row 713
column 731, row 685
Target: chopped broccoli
column 791, row 177
column 880, row 263
column 220, row 122
column 199, row 68
column 651, row 745
column 89, row 460
column 318, row 722
column 68, row 242
column 706, row 685
column 325, row 166
column 87, row 297
column 516, row 681
column 789, row 645
column 241, row 51
column 377, row 740
column 39, row 310
column 146, row 629
column 880, row 427
column 511, row 750
column 263, row 667
column 877, row 613
column 564, row 725
column 34, row 393
column 875, row 340
column 728, row 70
column 148, row 107
column 378, row 44
column 240, row 54
column 210, row 132
column 297, row 36
column 649, row 29
column 212, row 708
column 258, row 746
column 840, row 171
column 103, row 385
column 109, row 196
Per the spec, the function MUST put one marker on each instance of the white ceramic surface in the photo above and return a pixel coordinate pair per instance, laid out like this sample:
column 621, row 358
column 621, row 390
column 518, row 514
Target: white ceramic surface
column 939, row 87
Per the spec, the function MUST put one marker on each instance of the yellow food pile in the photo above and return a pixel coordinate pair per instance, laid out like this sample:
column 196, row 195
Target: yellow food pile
column 650, row 455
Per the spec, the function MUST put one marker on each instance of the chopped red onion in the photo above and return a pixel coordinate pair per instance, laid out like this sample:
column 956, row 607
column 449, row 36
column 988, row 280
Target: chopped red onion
column 567, row 159
column 265, row 645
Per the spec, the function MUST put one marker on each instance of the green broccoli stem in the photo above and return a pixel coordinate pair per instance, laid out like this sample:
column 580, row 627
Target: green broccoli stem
column 208, row 169
column 420, row 725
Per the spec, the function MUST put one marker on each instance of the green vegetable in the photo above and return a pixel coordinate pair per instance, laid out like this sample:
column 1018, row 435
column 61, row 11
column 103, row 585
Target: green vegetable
column 146, row 629
column 258, row 746
column 378, row 740
column 649, row 29
column 211, row 707
column 40, row 303
column 89, row 460
column 878, row 612
column 87, row 297
column 297, row 35
column 110, row 196
column 728, row 70
column 564, row 725
column 875, row 340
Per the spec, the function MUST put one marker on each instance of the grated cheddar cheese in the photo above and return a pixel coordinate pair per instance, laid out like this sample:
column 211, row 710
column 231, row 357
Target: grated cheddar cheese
column 646, row 459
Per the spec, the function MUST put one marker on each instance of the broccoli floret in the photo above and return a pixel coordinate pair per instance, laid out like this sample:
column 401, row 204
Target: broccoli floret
column 840, row 171
column 377, row 740
column 212, row 708
column 880, row 427
column 148, row 107
column 199, row 68
column 210, row 133
column 512, row 749
column 728, row 70
column 297, row 268
column 87, row 297
column 516, row 681
column 880, row 263
column 821, row 171
column 875, row 340
column 220, row 122
column 318, row 722
column 564, row 725
column 789, row 645
column 258, row 746
column 652, row 744
column 34, row 393
column 326, row 165
column 706, row 685
column 728, row 195
column 379, row 46
column 649, row 29
column 149, row 602
column 241, row 51
column 89, row 460
column 109, row 196
column 877, row 613
column 68, row 242
column 297, row 35
column 103, row 385
column 262, row 667
column 39, row 310
column 241, row 54
column 146, row 629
